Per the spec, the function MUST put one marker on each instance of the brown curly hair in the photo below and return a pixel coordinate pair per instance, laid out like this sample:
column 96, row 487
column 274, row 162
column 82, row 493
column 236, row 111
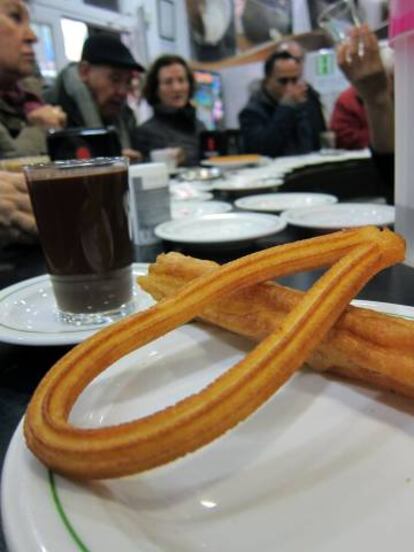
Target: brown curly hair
column 150, row 90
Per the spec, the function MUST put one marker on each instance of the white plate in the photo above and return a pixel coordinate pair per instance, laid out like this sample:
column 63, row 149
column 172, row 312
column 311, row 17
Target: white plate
column 196, row 208
column 222, row 228
column 325, row 465
column 242, row 182
column 341, row 215
column 191, row 190
column 28, row 313
column 275, row 203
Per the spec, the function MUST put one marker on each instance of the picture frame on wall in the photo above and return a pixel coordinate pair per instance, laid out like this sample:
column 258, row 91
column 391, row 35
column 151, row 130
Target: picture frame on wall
column 166, row 20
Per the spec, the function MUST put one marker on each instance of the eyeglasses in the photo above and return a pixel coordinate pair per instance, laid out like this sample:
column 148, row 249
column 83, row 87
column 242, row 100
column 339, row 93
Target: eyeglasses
column 286, row 80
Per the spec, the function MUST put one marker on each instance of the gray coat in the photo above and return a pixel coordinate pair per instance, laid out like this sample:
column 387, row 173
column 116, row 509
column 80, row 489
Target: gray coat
column 81, row 110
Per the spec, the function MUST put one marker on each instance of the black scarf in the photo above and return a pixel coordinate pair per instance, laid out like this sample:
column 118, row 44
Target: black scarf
column 183, row 118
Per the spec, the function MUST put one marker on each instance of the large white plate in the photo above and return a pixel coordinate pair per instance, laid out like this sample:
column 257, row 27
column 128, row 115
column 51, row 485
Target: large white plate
column 275, row 203
column 325, row 465
column 222, row 228
column 246, row 182
column 196, row 208
column 341, row 215
column 28, row 313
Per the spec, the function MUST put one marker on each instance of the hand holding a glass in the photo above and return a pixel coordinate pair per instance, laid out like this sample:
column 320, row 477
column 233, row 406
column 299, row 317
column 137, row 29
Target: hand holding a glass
column 360, row 60
column 363, row 67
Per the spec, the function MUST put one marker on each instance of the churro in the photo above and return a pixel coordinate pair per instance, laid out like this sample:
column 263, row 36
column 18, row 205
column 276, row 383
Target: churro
column 372, row 347
column 356, row 255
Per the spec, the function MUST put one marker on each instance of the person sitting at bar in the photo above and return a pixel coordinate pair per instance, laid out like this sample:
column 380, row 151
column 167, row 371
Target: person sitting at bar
column 94, row 91
column 24, row 117
column 17, row 223
column 360, row 60
column 284, row 117
column 349, row 121
column 168, row 89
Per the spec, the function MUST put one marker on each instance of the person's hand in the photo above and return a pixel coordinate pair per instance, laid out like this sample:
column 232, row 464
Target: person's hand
column 16, row 215
column 296, row 93
column 360, row 60
column 180, row 156
column 47, row 116
column 133, row 155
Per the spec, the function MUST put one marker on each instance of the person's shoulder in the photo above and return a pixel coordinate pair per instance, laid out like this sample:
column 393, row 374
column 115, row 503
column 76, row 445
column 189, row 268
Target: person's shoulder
column 348, row 94
column 313, row 93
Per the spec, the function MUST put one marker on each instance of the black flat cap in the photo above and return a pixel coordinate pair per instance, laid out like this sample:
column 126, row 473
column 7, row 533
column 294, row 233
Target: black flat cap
column 106, row 49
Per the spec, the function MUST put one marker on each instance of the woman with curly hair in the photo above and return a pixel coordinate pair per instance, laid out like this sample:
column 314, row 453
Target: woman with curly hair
column 168, row 89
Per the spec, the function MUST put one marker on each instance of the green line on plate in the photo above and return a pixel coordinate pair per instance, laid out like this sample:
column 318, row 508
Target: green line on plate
column 62, row 514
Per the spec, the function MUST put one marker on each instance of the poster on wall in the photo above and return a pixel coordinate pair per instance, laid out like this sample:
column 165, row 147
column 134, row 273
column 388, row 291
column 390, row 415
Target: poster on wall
column 223, row 28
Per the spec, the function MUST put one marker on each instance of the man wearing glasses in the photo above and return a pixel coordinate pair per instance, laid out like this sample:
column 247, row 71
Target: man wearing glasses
column 284, row 117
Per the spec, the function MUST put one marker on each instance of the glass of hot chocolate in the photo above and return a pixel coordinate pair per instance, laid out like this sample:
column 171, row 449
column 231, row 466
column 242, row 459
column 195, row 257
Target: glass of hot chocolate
column 82, row 214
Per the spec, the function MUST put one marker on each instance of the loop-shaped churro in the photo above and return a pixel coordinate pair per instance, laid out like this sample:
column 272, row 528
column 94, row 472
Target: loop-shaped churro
column 198, row 419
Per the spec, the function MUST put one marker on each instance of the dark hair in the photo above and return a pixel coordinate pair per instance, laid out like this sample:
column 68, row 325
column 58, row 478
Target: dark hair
column 271, row 60
column 150, row 90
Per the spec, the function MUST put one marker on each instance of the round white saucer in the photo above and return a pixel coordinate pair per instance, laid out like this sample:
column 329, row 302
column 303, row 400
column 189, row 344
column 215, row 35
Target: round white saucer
column 196, row 208
column 220, row 228
column 341, row 215
column 28, row 313
column 275, row 203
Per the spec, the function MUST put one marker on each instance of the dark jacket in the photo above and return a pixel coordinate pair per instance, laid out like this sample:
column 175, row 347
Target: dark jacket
column 77, row 102
column 273, row 129
column 170, row 128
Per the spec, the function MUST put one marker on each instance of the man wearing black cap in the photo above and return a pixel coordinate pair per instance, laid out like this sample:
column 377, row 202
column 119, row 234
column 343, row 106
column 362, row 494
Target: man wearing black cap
column 93, row 92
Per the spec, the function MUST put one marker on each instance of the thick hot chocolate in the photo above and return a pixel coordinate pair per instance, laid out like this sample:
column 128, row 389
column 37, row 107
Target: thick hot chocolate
column 81, row 210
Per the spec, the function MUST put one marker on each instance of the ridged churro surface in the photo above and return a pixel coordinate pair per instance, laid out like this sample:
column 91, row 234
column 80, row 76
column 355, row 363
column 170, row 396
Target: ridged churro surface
column 374, row 348
column 355, row 256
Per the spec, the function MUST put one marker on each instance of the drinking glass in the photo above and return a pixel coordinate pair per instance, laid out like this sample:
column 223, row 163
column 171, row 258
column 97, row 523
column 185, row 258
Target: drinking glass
column 82, row 214
column 338, row 18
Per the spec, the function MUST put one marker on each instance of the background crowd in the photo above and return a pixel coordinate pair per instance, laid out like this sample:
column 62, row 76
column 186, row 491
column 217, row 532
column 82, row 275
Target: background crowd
column 284, row 116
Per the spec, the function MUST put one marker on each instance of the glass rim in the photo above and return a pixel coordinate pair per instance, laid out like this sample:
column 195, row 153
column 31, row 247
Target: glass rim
column 330, row 9
column 67, row 164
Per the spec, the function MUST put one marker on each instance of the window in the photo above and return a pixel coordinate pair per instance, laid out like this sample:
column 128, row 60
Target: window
column 74, row 35
column 45, row 50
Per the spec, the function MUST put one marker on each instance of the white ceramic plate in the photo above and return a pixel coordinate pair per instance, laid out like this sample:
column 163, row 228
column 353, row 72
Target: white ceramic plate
column 275, row 203
column 341, row 215
column 191, row 190
column 218, row 229
column 240, row 182
column 325, row 465
column 196, row 208
column 28, row 313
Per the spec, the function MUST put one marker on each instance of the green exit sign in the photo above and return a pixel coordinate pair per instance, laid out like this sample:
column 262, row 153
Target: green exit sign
column 325, row 64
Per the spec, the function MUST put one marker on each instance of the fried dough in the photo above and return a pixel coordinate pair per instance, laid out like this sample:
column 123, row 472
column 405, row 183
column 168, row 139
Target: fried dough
column 366, row 345
column 126, row 448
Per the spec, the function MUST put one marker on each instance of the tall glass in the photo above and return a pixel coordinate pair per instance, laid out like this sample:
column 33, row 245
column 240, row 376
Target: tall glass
column 338, row 18
column 82, row 213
